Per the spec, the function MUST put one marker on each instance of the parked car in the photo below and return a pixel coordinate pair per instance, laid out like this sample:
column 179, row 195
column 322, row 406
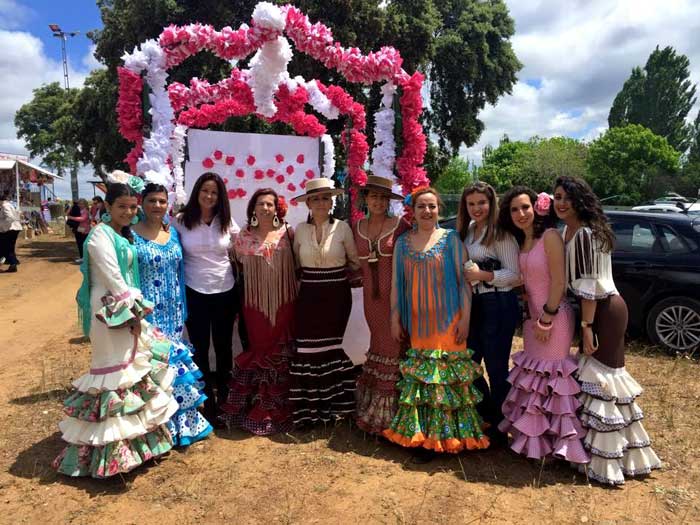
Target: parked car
column 661, row 207
column 656, row 266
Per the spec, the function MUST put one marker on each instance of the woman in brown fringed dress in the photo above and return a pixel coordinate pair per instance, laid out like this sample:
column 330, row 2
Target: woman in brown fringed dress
column 377, row 395
column 258, row 399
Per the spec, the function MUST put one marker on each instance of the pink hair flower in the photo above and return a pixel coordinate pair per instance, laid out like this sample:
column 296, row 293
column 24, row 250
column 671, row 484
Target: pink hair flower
column 542, row 204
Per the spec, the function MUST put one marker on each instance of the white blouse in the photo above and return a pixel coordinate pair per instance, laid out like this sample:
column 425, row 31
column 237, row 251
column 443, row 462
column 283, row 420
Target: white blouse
column 336, row 249
column 206, row 255
column 505, row 250
column 588, row 267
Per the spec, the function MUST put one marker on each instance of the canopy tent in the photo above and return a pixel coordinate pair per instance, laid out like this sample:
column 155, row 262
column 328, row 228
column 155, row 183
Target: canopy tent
column 16, row 170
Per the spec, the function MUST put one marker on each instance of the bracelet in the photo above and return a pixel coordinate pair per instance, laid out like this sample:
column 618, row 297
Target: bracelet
column 544, row 327
column 546, row 310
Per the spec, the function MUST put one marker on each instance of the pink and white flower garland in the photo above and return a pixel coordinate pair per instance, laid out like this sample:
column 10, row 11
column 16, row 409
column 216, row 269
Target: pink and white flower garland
column 267, row 89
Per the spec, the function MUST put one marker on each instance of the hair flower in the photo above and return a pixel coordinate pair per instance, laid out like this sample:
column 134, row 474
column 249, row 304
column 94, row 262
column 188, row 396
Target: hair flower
column 542, row 204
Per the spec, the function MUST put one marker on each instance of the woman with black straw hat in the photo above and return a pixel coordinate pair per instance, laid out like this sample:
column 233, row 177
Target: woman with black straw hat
column 323, row 383
column 375, row 235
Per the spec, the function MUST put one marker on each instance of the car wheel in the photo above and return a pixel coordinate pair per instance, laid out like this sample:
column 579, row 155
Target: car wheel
column 675, row 323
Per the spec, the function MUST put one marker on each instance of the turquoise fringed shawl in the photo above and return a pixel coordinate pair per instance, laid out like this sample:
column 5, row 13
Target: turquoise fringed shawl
column 434, row 273
column 130, row 273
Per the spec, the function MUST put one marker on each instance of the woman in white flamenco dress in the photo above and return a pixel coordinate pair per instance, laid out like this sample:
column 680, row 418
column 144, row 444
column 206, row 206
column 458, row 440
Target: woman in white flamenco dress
column 116, row 418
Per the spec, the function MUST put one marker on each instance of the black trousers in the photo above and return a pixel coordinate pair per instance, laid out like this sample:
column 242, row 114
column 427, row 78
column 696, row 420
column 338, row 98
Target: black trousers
column 7, row 246
column 494, row 317
column 80, row 240
column 210, row 317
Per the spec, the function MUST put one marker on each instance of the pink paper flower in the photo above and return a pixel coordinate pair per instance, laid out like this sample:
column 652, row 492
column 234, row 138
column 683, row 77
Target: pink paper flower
column 280, row 179
column 291, row 187
column 259, row 174
column 300, row 158
column 290, row 169
column 230, row 160
column 279, row 157
column 218, row 154
column 309, row 174
column 240, row 173
column 250, row 160
column 208, row 163
column 270, row 172
column 231, row 194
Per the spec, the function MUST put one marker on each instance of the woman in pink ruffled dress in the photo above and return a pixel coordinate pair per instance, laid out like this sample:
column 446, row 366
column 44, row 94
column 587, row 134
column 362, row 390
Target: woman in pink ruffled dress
column 540, row 410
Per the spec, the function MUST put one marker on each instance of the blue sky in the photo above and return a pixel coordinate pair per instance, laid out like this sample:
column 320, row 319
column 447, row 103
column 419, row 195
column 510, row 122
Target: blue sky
column 576, row 56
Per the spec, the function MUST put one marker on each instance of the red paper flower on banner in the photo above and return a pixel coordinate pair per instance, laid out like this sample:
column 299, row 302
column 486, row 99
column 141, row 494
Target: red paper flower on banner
column 302, row 185
column 291, row 187
column 225, row 181
column 250, row 160
column 300, row 158
column 218, row 154
column 240, row 173
column 270, row 173
column 230, row 160
column 280, row 179
column 310, row 174
column 241, row 192
column 232, row 194
column 290, row 169
column 259, row 174
column 208, row 163
column 279, row 157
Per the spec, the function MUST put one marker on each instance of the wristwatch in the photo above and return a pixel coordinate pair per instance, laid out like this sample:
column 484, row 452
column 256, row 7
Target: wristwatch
column 586, row 324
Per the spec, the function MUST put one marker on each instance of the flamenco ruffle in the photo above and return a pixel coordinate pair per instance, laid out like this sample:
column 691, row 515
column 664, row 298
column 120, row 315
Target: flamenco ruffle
column 188, row 425
column 115, row 458
column 616, row 438
column 540, row 410
column 437, row 403
column 377, row 394
column 118, row 313
column 322, row 387
column 113, row 431
column 258, row 398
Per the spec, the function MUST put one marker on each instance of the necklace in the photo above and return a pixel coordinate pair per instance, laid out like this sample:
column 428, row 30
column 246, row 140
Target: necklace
column 374, row 242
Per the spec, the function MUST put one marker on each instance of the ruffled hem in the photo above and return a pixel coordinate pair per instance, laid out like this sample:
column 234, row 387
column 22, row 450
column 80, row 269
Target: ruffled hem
column 636, row 462
column 449, row 445
column 184, row 367
column 616, row 438
column 375, row 408
column 188, row 426
column 437, row 402
column 115, row 458
column 606, row 383
column 540, row 409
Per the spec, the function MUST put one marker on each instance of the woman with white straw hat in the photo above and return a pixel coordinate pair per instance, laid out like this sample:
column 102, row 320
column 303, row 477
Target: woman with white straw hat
column 323, row 383
column 375, row 236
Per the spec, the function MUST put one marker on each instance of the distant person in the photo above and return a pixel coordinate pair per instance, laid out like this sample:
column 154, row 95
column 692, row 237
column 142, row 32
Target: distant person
column 82, row 228
column 10, row 226
column 97, row 210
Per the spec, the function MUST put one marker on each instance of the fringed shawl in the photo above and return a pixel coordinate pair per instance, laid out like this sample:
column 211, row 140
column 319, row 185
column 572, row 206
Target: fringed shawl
column 429, row 284
column 122, row 247
column 268, row 272
column 588, row 268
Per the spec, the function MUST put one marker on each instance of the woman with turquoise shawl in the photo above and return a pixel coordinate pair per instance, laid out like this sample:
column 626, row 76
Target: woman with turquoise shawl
column 118, row 413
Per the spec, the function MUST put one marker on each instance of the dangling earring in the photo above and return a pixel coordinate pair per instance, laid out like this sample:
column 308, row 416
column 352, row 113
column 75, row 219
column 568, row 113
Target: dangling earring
column 135, row 219
column 254, row 220
column 276, row 221
column 106, row 218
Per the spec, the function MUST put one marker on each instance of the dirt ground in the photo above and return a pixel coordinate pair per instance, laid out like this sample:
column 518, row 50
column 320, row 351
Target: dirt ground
column 333, row 475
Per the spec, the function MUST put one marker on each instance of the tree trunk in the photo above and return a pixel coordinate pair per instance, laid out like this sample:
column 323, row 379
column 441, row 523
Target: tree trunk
column 74, row 181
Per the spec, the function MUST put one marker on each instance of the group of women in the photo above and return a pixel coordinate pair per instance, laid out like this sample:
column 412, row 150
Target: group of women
column 438, row 303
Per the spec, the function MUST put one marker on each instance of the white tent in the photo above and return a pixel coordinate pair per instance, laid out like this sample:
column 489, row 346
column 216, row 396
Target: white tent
column 15, row 169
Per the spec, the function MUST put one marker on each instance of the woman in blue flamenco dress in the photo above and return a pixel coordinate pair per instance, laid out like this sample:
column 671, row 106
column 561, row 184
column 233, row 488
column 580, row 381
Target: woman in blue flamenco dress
column 117, row 415
column 162, row 282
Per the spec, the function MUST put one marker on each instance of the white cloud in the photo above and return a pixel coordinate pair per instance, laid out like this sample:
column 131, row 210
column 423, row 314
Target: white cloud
column 577, row 54
column 13, row 15
column 24, row 66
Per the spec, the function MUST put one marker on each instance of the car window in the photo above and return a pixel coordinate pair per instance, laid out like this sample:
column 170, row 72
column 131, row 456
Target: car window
column 673, row 242
column 635, row 236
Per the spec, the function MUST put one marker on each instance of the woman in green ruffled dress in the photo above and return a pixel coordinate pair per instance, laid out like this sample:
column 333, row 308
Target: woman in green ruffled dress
column 118, row 413
column 430, row 306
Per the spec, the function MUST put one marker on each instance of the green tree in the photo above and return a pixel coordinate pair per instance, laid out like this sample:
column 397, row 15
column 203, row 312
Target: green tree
column 500, row 165
column 474, row 63
column 658, row 97
column 631, row 162
column 694, row 150
column 456, row 176
column 48, row 126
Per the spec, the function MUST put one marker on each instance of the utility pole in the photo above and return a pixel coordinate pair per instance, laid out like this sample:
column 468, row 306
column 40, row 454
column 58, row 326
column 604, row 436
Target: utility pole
column 63, row 35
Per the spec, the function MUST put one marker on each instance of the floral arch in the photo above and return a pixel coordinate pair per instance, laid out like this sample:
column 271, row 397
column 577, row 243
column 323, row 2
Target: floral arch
column 267, row 90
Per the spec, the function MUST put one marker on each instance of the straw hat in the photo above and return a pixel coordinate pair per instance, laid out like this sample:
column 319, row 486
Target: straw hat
column 316, row 186
column 380, row 185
